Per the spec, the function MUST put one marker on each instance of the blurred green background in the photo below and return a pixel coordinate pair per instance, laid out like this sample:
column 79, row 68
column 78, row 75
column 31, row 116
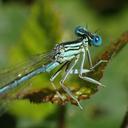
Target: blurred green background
column 28, row 27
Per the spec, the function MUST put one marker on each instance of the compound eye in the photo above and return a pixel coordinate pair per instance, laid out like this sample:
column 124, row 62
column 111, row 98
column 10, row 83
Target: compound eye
column 97, row 41
column 80, row 31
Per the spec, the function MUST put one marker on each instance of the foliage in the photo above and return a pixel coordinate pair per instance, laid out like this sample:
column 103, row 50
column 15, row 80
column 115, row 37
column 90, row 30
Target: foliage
column 39, row 34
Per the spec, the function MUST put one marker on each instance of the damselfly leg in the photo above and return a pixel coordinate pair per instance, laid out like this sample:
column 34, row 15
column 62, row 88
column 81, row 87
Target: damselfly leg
column 67, row 72
column 92, row 67
column 98, row 63
column 82, row 71
column 53, row 78
column 89, row 57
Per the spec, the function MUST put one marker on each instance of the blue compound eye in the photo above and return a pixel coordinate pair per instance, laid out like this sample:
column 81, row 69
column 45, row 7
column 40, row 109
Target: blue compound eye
column 80, row 31
column 96, row 41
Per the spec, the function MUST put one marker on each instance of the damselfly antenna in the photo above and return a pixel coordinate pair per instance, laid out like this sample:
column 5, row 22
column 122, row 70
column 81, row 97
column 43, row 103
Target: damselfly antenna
column 97, row 31
column 87, row 26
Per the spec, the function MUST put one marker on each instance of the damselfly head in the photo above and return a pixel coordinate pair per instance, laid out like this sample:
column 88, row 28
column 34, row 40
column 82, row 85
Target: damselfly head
column 93, row 39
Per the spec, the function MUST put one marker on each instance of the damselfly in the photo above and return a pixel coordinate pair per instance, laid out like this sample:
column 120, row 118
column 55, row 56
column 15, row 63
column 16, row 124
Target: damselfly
column 65, row 54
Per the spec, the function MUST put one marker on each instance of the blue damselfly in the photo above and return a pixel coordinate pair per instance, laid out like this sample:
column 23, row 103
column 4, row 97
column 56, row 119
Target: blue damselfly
column 65, row 54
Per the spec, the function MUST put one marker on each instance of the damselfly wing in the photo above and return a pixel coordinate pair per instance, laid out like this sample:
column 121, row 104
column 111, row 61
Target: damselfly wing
column 19, row 70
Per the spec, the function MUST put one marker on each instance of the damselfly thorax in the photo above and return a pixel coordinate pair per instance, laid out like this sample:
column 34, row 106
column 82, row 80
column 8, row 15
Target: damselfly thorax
column 66, row 51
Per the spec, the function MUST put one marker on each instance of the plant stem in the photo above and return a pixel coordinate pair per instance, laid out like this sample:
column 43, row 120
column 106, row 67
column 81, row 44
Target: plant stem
column 61, row 116
column 125, row 121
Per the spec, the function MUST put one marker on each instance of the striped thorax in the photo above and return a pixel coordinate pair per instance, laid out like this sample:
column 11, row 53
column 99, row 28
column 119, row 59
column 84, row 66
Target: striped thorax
column 68, row 50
